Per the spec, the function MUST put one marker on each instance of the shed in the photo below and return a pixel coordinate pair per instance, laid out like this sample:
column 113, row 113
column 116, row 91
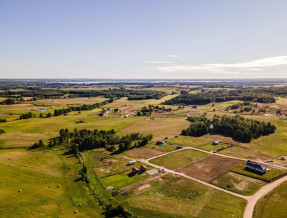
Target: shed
column 215, row 142
column 194, row 107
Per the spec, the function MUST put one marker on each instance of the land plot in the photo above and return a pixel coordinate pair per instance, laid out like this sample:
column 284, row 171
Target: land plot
column 179, row 159
column 210, row 168
column 270, row 175
column 238, row 183
column 187, row 141
column 143, row 152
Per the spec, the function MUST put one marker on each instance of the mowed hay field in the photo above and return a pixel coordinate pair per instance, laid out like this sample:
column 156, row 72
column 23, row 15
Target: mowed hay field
column 33, row 172
column 172, row 196
column 273, row 204
column 179, row 159
column 23, row 133
column 159, row 127
column 71, row 101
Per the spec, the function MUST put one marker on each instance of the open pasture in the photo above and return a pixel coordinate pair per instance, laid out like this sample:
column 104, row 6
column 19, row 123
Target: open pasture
column 210, row 168
column 179, row 159
column 70, row 101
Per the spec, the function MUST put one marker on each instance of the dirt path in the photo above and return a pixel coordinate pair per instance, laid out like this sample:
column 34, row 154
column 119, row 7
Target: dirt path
column 248, row 212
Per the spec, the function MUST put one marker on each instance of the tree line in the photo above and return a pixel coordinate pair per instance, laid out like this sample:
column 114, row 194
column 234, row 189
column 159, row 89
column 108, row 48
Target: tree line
column 203, row 98
column 81, row 140
column 237, row 127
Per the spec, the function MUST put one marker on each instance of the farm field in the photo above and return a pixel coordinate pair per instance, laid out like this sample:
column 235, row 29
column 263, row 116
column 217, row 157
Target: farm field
column 187, row 141
column 179, row 159
column 210, row 168
column 168, row 196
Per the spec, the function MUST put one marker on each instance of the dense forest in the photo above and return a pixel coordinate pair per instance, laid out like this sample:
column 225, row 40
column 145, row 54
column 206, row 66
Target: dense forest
column 237, row 127
column 207, row 97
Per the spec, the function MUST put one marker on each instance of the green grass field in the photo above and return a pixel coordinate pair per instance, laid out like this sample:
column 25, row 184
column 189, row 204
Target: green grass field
column 273, row 204
column 187, row 141
column 179, row 159
column 274, row 143
column 43, row 170
column 123, row 179
column 268, row 176
column 238, row 183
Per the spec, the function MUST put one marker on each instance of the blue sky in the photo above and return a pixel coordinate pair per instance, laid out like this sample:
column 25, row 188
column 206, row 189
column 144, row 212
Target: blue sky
column 143, row 39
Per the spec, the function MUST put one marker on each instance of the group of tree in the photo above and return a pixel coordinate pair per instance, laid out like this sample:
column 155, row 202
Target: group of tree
column 27, row 116
column 148, row 110
column 237, row 127
column 81, row 140
column 3, row 120
column 207, row 97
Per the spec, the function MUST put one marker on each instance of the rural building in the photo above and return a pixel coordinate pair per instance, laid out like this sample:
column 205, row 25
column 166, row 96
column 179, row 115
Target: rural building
column 215, row 142
column 116, row 110
column 256, row 167
column 194, row 107
column 135, row 170
column 142, row 168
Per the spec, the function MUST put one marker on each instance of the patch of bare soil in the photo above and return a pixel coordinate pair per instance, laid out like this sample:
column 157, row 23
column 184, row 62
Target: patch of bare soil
column 144, row 152
column 108, row 161
column 210, row 168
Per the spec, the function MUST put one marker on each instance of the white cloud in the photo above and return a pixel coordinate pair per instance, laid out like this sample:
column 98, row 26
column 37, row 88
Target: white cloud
column 172, row 56
column 159, row 62
column 255, row 65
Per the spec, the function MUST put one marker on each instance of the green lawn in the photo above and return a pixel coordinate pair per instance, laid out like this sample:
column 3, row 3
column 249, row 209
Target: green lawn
column 187, row 141
column 268, row 176
column 273, row 204
column 238, row 183
column 179, row 159
column 123, row 179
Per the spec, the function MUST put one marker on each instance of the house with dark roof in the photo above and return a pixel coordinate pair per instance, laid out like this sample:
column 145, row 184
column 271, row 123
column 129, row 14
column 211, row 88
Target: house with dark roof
column 256, row 167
